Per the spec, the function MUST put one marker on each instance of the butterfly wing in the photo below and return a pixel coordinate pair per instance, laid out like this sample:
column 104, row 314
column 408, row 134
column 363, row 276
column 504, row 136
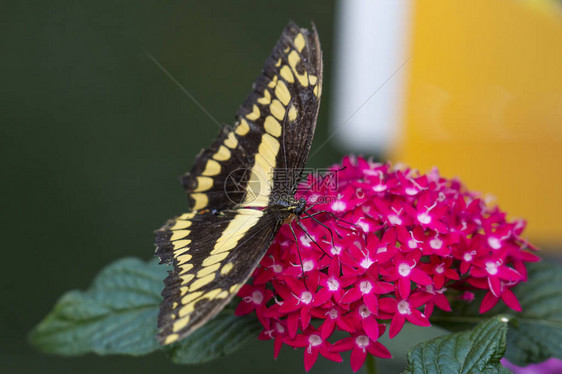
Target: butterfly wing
column 284, row 107
column 216, row 247
column 213, row 256
column 273, row 131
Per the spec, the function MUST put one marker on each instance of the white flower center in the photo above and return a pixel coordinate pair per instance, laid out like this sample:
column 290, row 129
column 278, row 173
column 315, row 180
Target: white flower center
column 436, row 243
column 333, row 284
column 280, row 328
column 257, row 297
column 314, row 340
column 404, row 269
column 306, row 297
column 467, row 257
column 308, row 265
column 362, row 341
column 366, row 262
column 381, row 249
column 371, row 171
column 404, row 307
column 364, row 225
column 306, row 240
column 338, row 206
column 277, row 268
column 491, row 268
column 411, row 191
column 335, row 250
column 364, row 311
column 494, row 242
column 333, row 313
column 394, row 219
column 413, row 243
column 379, row 187
column 424, row 218
column 365, row 287
column 440, row 269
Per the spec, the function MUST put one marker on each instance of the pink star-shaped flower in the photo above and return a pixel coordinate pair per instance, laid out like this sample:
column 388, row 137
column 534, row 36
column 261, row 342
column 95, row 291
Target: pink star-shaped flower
column 314, row 344
column 360, row 345
column 405, row 270
column 495, row 271
column 405, row 309
column 440, row 268
column 386, row 245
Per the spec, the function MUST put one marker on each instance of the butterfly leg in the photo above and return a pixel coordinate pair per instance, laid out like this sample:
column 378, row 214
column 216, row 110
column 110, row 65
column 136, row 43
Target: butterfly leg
column 330, row 214
column 307, row 234
column 299, row 253
column 311, row 216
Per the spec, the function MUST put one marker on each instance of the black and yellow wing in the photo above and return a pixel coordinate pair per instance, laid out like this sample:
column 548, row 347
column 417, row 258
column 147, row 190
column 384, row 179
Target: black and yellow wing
column 215, row 247
column 213, row 257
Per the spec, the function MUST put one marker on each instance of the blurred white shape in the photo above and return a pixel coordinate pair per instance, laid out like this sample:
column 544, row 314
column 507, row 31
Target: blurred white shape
column 369, row 73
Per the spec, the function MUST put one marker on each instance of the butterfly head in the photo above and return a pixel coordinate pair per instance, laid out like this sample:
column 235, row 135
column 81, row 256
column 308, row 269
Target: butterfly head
column 299, row 206
column 291, row 206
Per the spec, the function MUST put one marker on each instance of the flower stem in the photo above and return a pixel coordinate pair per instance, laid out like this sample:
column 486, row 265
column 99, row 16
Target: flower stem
column 371, row 365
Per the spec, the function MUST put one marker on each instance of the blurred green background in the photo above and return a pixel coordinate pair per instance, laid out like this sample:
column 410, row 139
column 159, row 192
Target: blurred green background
column 94, row 137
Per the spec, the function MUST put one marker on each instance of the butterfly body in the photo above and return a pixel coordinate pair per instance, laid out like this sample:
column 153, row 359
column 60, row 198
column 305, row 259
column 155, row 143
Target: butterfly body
column 241, row 189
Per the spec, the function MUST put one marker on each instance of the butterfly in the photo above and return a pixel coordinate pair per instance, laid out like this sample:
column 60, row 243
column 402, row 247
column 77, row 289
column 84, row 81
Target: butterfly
column 241, row 189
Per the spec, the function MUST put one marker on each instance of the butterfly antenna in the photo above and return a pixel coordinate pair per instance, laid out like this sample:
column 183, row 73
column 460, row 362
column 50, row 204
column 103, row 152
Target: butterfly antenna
column 299, row 253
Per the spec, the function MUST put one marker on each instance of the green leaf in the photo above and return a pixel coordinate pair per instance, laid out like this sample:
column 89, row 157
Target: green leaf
column 118, row 315
column 475, row 351
column 535, row 334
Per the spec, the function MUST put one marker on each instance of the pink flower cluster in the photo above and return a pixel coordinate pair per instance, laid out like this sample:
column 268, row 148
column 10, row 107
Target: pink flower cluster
column 381, row 244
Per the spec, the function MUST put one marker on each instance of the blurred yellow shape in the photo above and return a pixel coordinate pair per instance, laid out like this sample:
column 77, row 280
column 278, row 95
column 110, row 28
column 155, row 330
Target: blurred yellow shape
column 484, row 103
